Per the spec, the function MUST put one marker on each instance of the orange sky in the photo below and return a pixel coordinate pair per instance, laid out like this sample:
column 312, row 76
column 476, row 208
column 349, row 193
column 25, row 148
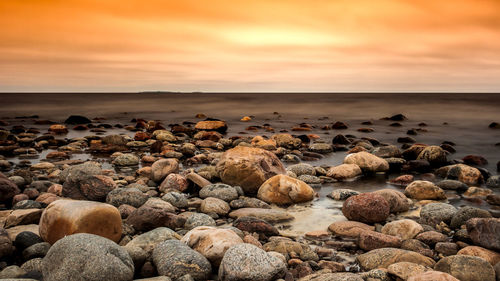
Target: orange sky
column 250, row 45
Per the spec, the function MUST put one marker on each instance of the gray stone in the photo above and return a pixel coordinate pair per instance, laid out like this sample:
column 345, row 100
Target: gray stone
column 130, row 196
column 38, row 250
column 466, row 213
column 177, row 199
column 338, row 276
column 219, row 190
column 148, row 241
column 435, row 213
column 342, row 194
column 198, row 219
column 174, row 259
column 248, row 202
column 302, row 169
column 493, row 182
column 87, row 257
column 452, row 185
column 244, row 262
column 126, row 159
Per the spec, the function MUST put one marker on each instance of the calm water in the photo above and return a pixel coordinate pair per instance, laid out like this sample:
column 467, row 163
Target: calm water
column 461, row 118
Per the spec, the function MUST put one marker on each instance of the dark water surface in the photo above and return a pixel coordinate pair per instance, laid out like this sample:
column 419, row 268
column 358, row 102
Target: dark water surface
column 460, row 118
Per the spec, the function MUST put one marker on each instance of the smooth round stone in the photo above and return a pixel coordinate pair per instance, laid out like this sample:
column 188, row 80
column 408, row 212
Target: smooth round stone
column 367, row 162
column 65, row 217
column 198, row 219
column 466, row 268
column 435, row 213
column 366, row 208
column 87, row 257
column 282, row 189
column 219, row 190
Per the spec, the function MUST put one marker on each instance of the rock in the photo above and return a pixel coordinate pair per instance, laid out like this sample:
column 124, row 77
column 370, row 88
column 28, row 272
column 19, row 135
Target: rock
column 493, row 199
column 75, row 175
column 452, row 185
column 384, row 257
column 398, row 202
column 387, row 151
column 431, row 237
column 251, row 224
column 95, row 188
column 6, row 247
column 446, row 248
column 58, row 129
column 344, row 171
column 475, row 160
column 177, row 199
column 126, row 159
column 282, row 190
column 23, row 216
column 87, row 257
column 349, row 228
column 247, row 262
column 466, row 268
column 404, row 229
column 302, row 169
column 432, row 276
column 287, row 141
column 149, row 240
column 155, row 213
column 466, row 213
column 65, row 217
column 130, row 196
column 211, row 242
column 12, row 273
column 174, row 259
column 8, row 189
column 493, row 182
column 321, row 148
column 465, row 174
column 366, row 207
column 367, row 162
column 198, row 219
column 475, row 191
column 484, row 232
column 26, row 239
column 434, row 213
column 211, row 125
column 342, row 194
column 434, row 154
column 219, row 190
column 174, row 182
column 269, row 215
column 198, row 180
column 248, row 202
column 403, row 180
column 417, row 246
column 163, row 167
column 289, row 248
column 215, row 205
column 248, row 167
column 38, row 250
column 488, row 255
column 339, row 276
column 424, row 190
column 371, row 240
column 77, row 120
column 164, row 135
column 403, row 270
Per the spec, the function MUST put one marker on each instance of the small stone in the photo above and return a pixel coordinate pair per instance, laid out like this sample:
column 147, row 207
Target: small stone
column 342, row 194
column 404, row 229
column 366, row 207
column 282, row 190
column 435, row 213
column 424, row 190
column 367, row 162
column 344, row 171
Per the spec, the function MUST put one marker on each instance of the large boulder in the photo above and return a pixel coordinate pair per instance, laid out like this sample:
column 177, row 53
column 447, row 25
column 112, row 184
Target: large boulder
column 65, row 217
column 384, row 257
column 424, row 190
column 248, row 167
column 466, row 268
column 211, row 242
column 344, row 171
column 367, row 162
column 282, row 190
column 366, row 208
column 175, row 259
column 484, row 232
column 87, row 257
column 244, row 262
column 163, row 167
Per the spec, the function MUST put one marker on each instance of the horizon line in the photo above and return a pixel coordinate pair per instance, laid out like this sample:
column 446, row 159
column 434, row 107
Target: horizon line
column 249, row 92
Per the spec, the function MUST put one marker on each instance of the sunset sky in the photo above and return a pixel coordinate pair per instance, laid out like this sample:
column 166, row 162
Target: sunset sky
column 251, row 45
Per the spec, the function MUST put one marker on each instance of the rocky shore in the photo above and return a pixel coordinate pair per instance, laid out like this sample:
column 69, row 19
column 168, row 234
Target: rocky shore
column 191, row 202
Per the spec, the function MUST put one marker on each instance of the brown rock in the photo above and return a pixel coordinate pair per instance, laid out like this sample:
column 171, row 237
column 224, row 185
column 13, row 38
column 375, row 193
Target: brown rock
column 484, row 232
column 432, row 276
column 58, row 129
column 349, row 228
column 251, row 224
column 404, row 229
column 371, row 240
column 211, row 242
column 95, row 188
column 23, row 216
column 403, row 180
column 212, row 125
column 214, row 205
column 198, row 180
column 424, row 190
column 431, row 237
column 403, row 270
column 384, row 257
column 174, row 181
column 367, row 162
column 344, row 171
column 465, row 174
column 153, row 214
column 163, row 167
column 282, row 190
column 398, row 202
column 269, row 215
column 488, row 255
column 434, row 154
column 248, row 167
column 366, row 207
column 466, row 268
column 7, row 189
column 66, row 217
column 6, row 247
